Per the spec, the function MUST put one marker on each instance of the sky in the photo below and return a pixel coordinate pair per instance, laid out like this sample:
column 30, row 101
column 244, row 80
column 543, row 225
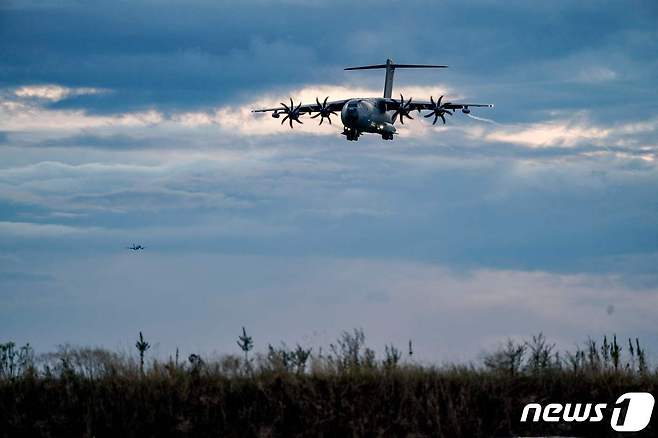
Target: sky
column 129, row 122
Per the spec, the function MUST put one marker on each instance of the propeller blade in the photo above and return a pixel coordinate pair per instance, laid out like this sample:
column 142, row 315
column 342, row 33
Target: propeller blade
column 317, row 115
column 438, row 109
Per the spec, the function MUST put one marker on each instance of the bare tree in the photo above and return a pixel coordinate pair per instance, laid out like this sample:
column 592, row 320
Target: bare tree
column 142, row 346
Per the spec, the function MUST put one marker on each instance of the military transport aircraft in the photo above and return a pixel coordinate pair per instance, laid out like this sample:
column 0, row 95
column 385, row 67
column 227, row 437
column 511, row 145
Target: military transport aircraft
column 373, row 114
column 134, row 247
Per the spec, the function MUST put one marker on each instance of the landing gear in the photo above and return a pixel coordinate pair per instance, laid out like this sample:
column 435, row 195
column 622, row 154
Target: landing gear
column 351, row 134
column 387, row 136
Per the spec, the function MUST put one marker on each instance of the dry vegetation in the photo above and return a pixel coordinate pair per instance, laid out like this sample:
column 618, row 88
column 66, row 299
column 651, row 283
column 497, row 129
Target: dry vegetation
column 287, row 392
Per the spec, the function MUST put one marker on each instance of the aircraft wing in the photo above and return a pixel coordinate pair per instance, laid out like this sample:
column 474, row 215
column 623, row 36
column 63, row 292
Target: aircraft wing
column 393, row 104
column 335, row 105
column 458, row 106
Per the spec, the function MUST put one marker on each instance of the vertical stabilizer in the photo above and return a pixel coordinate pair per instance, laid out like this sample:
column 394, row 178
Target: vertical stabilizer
column 388, row 82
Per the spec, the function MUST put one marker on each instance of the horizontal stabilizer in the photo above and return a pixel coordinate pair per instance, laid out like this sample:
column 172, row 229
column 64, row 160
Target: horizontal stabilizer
column 390, row 67
column 371, row 67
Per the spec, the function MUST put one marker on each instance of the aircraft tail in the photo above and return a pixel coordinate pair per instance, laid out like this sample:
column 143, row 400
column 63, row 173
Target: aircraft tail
column 390, row 67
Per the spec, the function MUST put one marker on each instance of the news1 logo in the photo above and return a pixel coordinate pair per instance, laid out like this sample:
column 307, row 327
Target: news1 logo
column 631, row 412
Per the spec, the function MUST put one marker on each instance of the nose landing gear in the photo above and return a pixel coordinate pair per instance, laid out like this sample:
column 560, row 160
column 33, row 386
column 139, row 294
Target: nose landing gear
column 351, row 134
column 387, row 136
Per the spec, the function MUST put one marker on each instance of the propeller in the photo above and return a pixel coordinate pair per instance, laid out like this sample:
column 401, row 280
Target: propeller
column 403, row 110
column 438, row 110
column 324, row 111
column 291, row 113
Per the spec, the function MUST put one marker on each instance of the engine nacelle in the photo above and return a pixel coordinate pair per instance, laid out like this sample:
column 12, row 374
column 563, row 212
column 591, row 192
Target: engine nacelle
column 466, row 110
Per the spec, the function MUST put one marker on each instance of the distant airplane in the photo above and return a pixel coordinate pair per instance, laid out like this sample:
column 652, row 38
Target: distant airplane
column 135, row 247
column 373, row 114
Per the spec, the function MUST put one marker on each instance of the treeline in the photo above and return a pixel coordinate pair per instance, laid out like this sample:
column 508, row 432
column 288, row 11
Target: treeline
column 347, row 390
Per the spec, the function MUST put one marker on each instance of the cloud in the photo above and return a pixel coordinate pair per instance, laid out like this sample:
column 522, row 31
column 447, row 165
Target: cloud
column 115, row 128
column 26, row 116
column 54, row 93
column 108, row 187
column 23, row 277
column 34, row 125
column 410, row 201
column 37, row 230
column 449, row 315
column 596, row 74
column 199, row 55
column 564, row 133
column 22, row 116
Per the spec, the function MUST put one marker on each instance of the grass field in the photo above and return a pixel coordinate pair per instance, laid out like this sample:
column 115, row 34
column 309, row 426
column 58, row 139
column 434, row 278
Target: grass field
column 288, row 392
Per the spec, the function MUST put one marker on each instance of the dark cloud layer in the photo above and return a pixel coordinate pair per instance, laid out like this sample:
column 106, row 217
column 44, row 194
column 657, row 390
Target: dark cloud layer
column 195, row 54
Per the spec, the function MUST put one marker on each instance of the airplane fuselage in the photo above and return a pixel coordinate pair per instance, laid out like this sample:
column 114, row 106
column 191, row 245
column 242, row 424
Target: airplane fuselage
column 367, row 115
